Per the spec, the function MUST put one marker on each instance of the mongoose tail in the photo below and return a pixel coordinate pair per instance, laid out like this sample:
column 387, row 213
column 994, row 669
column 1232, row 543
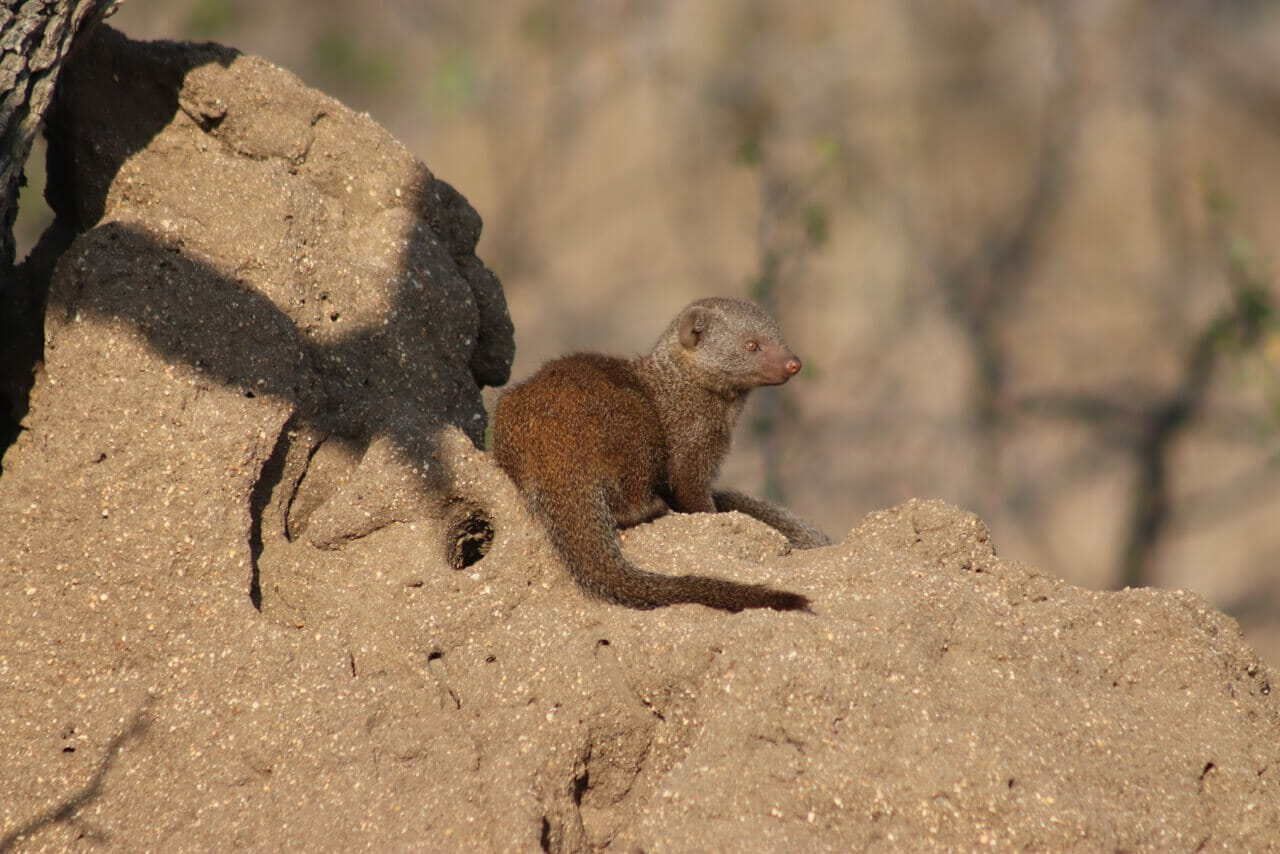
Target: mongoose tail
column 589, row 546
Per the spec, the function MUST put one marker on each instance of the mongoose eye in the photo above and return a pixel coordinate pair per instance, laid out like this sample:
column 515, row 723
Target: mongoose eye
column 753, row 345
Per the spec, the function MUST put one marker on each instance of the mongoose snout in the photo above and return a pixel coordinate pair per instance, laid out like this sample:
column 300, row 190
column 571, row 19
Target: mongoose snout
column 781, row 368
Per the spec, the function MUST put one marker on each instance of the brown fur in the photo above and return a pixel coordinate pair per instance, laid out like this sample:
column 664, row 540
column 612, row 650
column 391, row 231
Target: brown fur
column 596, row 443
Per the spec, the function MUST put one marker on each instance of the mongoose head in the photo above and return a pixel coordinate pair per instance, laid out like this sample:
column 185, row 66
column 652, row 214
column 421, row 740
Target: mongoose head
column 733, row 346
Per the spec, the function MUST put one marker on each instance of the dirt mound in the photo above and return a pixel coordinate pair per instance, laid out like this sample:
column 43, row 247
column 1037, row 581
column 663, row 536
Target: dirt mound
column 258, row 589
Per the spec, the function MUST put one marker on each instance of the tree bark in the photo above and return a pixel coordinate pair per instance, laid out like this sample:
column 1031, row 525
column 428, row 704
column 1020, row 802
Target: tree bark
column 35, row 37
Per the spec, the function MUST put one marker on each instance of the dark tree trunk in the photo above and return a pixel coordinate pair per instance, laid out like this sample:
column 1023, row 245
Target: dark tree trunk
column 35, row 38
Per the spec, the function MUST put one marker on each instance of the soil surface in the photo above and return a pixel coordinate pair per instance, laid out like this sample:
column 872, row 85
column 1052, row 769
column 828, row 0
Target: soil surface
column 259, row 588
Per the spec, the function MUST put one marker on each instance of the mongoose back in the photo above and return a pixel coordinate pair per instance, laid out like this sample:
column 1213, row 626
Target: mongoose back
column 596, row 442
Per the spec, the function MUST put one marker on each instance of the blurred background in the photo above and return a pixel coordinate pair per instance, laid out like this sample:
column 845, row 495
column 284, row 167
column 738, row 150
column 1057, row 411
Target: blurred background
column 1028, row 251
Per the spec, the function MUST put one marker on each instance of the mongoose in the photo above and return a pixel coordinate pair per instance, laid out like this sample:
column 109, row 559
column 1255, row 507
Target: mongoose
column 596, row 443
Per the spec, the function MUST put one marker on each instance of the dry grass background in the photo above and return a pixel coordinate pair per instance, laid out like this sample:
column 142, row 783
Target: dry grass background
column 1027, row 250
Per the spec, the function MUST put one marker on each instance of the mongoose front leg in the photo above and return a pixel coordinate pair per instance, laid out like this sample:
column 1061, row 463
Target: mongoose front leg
column 691, row 485
column 798, row 532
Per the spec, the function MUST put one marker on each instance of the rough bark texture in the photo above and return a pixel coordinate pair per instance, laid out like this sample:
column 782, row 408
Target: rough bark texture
column 35, row 37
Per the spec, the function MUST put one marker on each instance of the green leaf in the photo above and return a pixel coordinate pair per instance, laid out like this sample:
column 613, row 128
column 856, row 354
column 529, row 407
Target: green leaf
column 817, row 225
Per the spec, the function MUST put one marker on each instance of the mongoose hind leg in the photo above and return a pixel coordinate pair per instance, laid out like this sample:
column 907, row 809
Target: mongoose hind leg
column 636, row 516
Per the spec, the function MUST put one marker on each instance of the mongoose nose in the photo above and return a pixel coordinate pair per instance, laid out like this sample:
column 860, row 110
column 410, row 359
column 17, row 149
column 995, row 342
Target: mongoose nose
column 792, row 367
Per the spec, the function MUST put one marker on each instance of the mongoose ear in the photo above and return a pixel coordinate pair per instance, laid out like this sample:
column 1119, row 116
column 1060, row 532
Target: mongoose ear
column 692, row 324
